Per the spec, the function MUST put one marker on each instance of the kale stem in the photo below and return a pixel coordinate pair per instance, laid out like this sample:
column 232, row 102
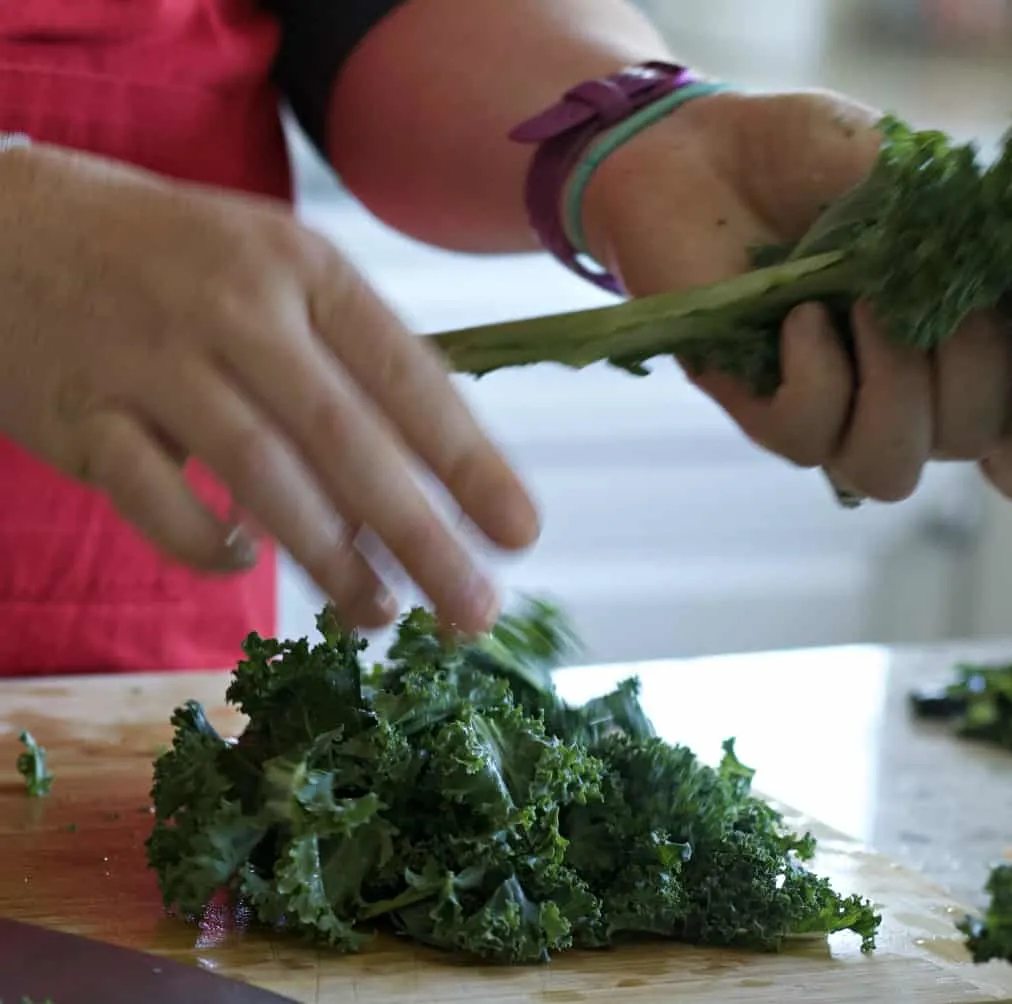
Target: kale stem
column 407, row 898
column 651, row 326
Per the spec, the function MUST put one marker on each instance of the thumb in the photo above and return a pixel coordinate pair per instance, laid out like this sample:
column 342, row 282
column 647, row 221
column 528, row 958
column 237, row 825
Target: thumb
column 797, row 152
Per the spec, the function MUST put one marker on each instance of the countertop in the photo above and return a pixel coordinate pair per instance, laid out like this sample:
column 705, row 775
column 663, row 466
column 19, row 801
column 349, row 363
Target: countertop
column 827, row 731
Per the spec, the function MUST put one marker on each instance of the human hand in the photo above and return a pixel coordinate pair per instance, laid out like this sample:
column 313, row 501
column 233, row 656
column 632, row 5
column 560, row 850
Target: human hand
column 682, row 204
column 147, row 322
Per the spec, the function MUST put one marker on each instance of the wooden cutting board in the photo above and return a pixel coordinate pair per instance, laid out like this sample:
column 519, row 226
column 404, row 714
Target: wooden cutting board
column 75, row 862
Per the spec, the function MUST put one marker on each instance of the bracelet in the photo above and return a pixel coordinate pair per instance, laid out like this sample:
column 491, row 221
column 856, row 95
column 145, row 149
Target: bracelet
column 618, row 106
column 614, row 140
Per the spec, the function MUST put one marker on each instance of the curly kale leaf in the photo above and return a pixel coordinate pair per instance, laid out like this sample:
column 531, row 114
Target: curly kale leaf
column 451, row 795
column 679, row 848
column 211, row 834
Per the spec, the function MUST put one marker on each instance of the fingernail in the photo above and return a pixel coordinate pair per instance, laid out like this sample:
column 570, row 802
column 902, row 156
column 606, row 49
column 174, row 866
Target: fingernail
column 240, row 549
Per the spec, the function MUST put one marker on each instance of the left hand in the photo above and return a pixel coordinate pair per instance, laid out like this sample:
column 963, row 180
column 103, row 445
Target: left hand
column 682, row 203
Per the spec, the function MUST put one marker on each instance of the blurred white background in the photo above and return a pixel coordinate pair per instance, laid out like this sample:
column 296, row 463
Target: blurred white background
column 666, row 532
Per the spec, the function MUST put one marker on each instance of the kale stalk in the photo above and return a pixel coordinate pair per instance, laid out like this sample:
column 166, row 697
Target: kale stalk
column 452, row 796
column 926, row 239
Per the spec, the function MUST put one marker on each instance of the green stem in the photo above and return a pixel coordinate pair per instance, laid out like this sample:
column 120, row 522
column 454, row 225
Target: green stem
column 407, row 898
column 651, row 326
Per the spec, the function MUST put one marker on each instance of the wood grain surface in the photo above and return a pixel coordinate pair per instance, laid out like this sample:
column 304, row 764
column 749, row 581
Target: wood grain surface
column 75, row 862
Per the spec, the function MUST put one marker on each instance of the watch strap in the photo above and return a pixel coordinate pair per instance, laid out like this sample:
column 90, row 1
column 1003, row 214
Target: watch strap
column 563, row 132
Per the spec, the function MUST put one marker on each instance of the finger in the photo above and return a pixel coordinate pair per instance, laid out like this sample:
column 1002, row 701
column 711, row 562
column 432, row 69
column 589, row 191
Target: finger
column 410, row 386
column 890, row 435
column 172, row 449
column 267, row 479
column 973, row 374
column 147, row 486
column 359, row 464
column 804, row 420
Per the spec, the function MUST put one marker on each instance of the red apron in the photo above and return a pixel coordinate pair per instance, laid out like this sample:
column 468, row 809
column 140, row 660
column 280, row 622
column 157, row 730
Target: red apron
column 181, row 87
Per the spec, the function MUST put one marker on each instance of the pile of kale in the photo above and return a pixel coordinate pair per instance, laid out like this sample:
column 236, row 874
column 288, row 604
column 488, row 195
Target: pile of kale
column 451, row 796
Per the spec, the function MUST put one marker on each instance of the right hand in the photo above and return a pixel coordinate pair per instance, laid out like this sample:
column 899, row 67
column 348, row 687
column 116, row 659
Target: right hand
column 146, row 322
column 682, row 204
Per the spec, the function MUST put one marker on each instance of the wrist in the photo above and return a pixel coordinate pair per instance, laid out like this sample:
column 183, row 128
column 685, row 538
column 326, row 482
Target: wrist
column 644, row 164
column 588, row 126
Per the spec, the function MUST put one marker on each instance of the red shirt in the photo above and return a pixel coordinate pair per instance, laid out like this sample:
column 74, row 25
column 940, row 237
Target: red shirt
column 184, row 88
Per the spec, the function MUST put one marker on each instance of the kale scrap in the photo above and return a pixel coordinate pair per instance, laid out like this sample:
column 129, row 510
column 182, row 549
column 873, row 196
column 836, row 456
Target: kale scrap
column 32, row 767
column 450, row 795
column 925, row 239
column 990, row 937
column 978, row 704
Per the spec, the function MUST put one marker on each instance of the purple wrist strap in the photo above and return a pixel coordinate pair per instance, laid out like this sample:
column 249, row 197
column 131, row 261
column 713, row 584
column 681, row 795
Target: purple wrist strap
column 564, row 131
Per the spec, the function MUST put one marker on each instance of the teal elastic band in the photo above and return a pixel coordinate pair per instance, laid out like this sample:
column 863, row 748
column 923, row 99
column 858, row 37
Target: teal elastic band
column 607, row 143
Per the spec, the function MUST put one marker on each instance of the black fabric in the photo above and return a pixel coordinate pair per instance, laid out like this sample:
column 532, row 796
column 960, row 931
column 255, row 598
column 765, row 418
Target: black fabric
column 317, row 37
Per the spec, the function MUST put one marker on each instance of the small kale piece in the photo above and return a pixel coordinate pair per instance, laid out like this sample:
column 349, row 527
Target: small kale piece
column 449, row 794
column 978, row 703
column 32, row 767
column 990, row 937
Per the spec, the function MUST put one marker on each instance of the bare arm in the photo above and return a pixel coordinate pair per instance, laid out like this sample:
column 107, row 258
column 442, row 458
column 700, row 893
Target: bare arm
column 421, row 111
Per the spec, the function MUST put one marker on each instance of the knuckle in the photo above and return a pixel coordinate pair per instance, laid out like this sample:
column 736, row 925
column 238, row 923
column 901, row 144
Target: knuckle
column 289, row 240
column 469, row 468
column 392, row 365
column 341, row 302
column 419, row 539
column 111, row 461
column 337, row 568
column 805, row 455
column 286, row 246
column 74, row 397
column 329, row 425
column 248, row 455
column 263, row 282
column 797, row 447
column 107, row 460
column 230, row 295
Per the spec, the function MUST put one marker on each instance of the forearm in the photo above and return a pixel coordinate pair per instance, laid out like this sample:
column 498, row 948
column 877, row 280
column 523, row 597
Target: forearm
column 421, row 112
